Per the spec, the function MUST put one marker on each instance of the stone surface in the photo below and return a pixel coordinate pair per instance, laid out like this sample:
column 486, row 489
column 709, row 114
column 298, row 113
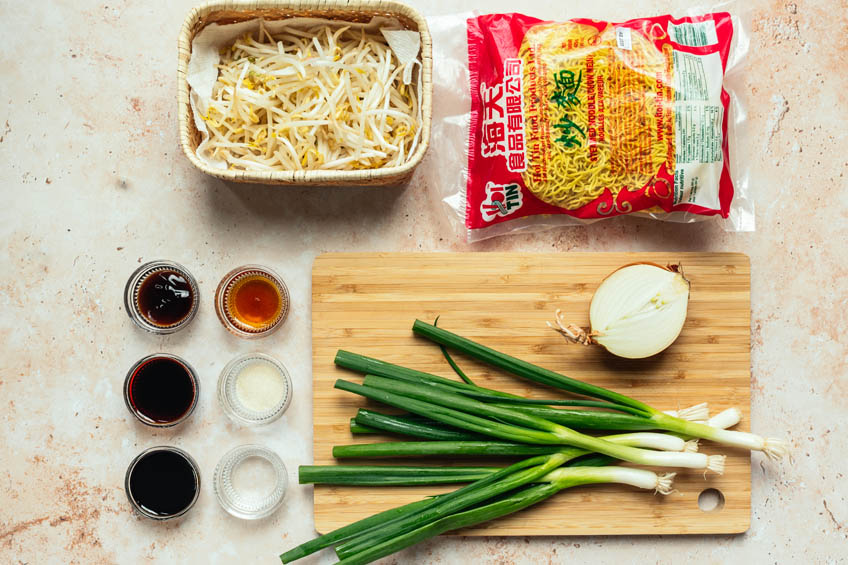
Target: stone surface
column 94, row 183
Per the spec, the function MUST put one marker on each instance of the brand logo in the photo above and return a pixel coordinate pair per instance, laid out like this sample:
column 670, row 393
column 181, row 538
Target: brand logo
column 501, row 200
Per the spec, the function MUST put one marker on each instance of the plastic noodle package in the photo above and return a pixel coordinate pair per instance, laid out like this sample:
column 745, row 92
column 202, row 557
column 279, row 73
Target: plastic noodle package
column 560, row 123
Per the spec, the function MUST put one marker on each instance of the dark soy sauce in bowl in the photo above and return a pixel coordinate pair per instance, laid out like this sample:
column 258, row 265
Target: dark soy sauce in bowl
column 162, row 483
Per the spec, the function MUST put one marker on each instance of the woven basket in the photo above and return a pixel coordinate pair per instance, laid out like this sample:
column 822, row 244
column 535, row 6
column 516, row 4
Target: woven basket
column 233, row 11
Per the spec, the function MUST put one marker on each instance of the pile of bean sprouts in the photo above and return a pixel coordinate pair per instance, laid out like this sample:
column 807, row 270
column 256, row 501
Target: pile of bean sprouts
column 319, row 97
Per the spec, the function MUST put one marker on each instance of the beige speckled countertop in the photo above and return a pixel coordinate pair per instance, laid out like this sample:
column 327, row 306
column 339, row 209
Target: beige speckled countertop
column 94, row 183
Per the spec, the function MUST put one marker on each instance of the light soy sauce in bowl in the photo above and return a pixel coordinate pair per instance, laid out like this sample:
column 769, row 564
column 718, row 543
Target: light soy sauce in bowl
column 160, row 390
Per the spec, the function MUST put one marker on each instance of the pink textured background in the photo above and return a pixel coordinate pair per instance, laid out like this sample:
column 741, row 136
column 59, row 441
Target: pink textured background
column 93, row 183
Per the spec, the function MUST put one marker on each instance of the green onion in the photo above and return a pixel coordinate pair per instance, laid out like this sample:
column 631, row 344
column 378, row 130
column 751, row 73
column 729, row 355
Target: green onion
column 509, row 505
column 417, row 427
column 559, row 479
column 369, row 475
column 459, row 411
column 589, row 419
column 366, row 475
column 773, row 448
column 662, row 442
column 371, row 366
column 464, row 500
column 424, row 428
column 523, row 368
column 429, row 448
column 455, row 367
column 380, row 520
column 345, row 532
column 566, row 435
column 359, row 429
column 451, row 362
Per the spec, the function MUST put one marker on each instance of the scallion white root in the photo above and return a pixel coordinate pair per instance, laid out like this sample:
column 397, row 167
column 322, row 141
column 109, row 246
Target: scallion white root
column 695, row 413
column 715, row 463
column 775, row 448
column 691, row 446
column 664, row 483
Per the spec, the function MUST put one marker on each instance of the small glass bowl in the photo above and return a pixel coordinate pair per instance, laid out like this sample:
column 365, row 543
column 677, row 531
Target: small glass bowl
column 131, row 297
column 253, row 496
column 228, row 395
column 141, row 417
column 230, row 321
column 139, row 508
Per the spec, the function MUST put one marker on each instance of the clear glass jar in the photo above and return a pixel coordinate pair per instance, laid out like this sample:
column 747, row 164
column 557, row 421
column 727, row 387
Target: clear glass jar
column 161, row 297
column 254, row 389
column 250, row 482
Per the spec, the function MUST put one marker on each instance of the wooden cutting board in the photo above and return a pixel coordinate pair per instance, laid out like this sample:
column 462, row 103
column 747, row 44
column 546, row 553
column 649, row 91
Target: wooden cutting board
column 366, row 303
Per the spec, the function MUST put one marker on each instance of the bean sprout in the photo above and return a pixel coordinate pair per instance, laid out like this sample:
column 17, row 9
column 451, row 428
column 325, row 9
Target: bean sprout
column 317, row 97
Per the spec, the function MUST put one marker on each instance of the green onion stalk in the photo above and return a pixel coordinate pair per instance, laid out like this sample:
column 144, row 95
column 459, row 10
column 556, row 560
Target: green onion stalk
column 411, row 425
column 512, row 424
column 389, row 475
column 645, row 440
column 371, row 523
column 390, row 531
column 609, row 415
column 371, row 366
column 371, row 422
column 552, row 483
column 463, row 500
column 359, row 429
column 771, row 447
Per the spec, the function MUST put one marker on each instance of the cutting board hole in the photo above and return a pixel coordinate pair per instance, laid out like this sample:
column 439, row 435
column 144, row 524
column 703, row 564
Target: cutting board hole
column 711, row 500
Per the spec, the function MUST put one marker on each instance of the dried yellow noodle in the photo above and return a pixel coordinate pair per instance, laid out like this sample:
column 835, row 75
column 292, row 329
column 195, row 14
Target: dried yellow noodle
column 631, row 154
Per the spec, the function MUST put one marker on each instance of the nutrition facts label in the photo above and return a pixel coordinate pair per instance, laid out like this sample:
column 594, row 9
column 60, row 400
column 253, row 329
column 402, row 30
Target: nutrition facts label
column 700, row 133
column 690, row 77
column 698, row 115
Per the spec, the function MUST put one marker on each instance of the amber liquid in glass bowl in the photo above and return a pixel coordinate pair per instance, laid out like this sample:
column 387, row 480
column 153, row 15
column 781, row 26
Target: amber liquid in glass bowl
column 252, row 301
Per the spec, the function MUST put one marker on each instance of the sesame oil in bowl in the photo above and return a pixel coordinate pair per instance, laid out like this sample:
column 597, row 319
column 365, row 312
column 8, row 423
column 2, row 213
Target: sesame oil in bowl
column 252, row 301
